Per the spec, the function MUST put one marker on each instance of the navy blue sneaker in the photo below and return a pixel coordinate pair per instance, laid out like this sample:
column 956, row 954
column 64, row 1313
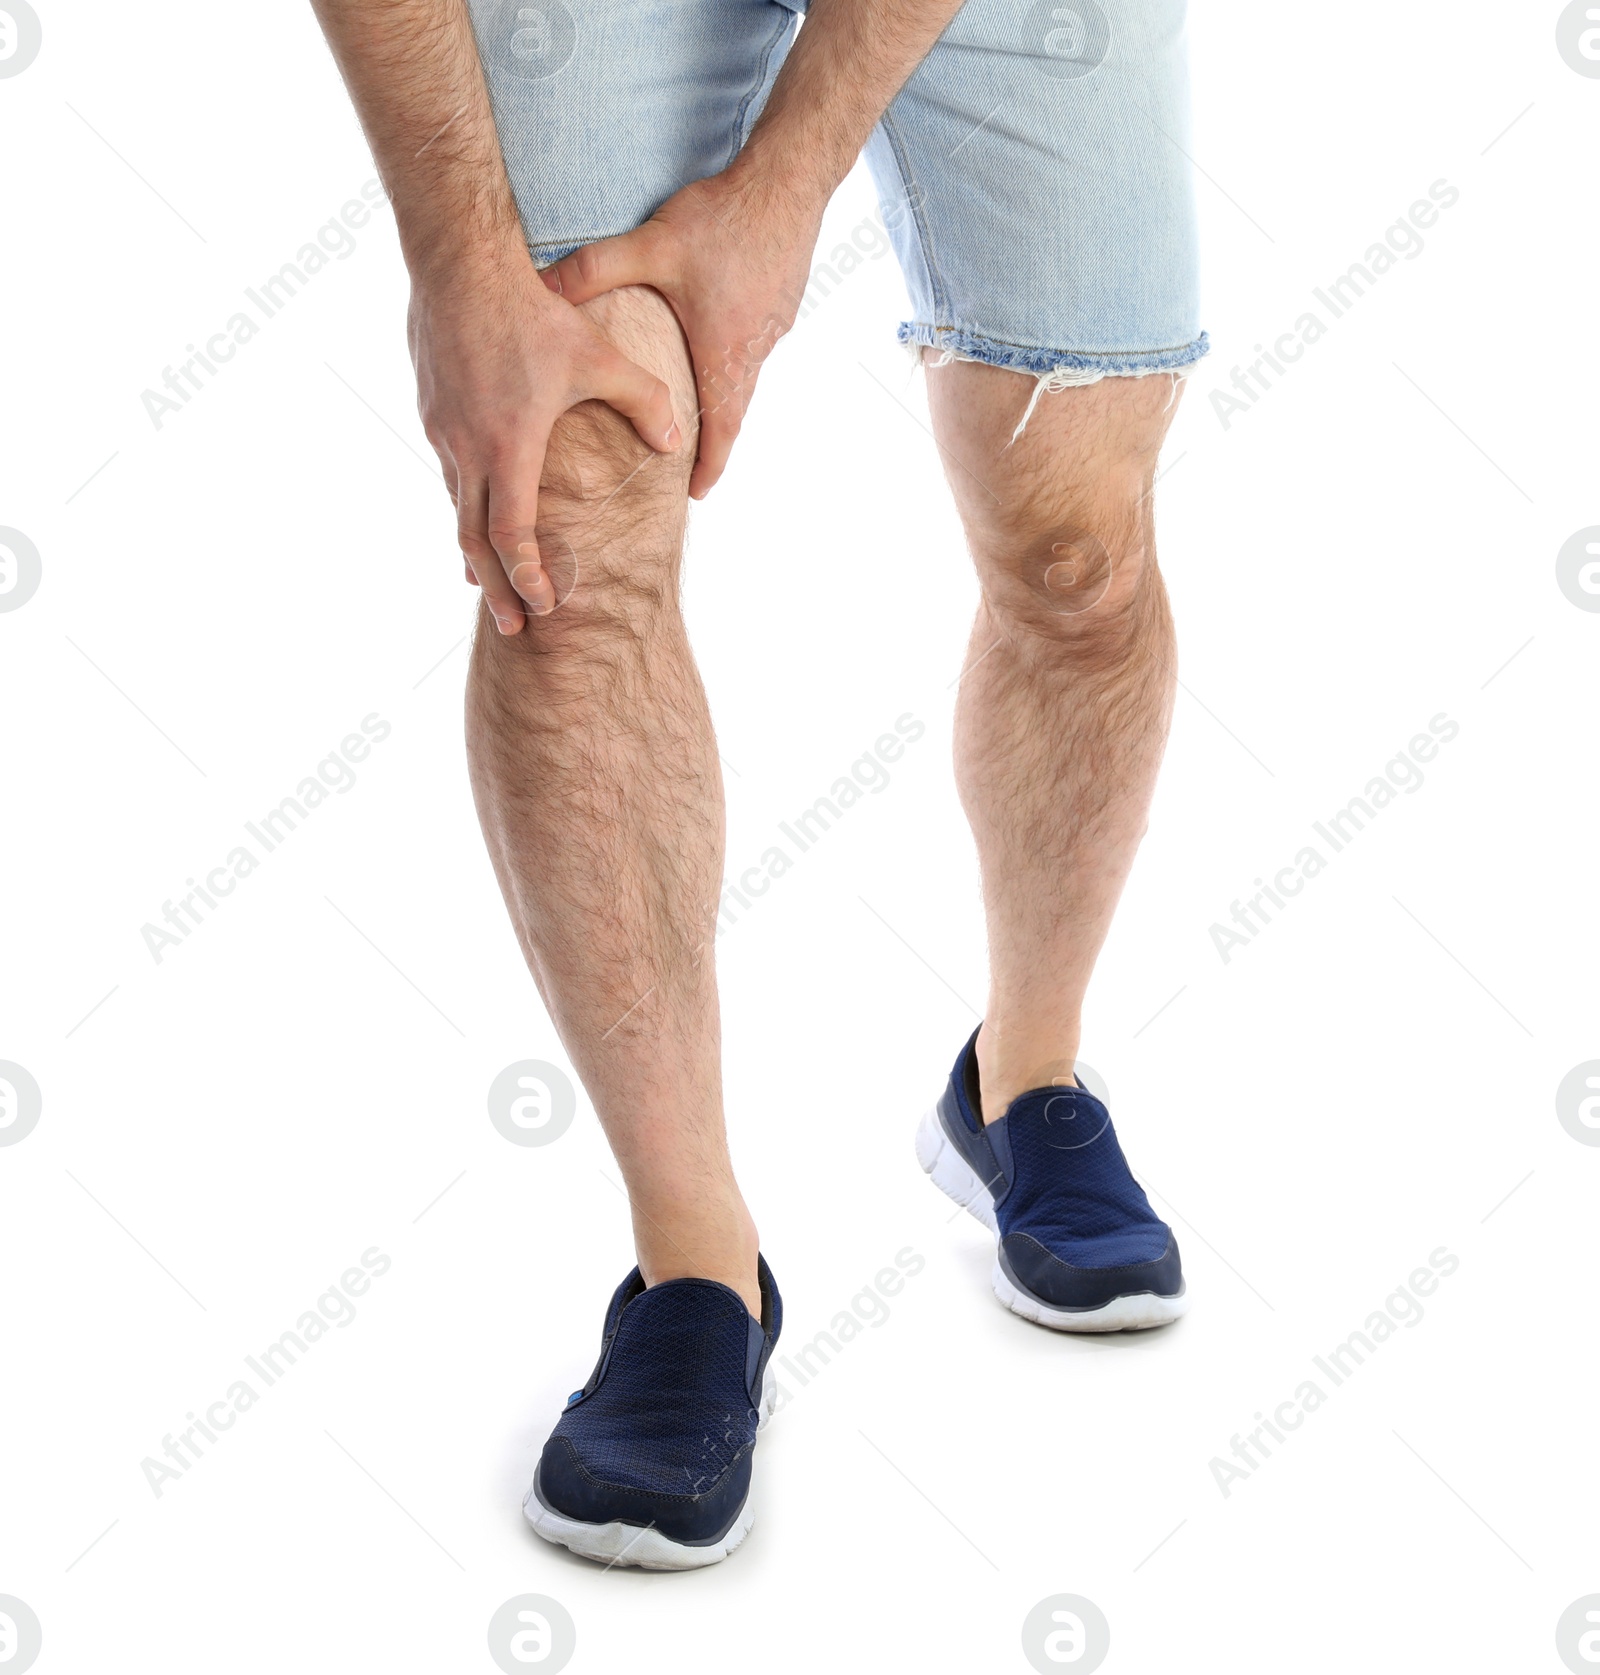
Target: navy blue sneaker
column 649, row 1463
column 1078, row 1247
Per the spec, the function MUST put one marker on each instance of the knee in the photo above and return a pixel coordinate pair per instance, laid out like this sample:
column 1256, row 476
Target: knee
column 611, row 510
column 608, row 536
column 610, row 526
column 1058, row 516
column 1068, row 568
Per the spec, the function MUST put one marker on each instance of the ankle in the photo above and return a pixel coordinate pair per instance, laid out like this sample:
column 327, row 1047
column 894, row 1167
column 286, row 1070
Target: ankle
column 724, row 1248
column 1014, row 1063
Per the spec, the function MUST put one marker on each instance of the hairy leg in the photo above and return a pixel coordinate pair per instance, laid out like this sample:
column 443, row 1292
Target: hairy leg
column 600, row 793
column 1063, row 709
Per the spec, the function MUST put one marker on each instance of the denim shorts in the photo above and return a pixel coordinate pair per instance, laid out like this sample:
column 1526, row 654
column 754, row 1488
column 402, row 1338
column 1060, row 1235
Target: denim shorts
column 1032, row 174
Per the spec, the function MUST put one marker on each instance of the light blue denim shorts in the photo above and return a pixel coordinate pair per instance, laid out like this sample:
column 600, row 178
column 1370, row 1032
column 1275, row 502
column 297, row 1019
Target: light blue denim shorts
column 1032, row 174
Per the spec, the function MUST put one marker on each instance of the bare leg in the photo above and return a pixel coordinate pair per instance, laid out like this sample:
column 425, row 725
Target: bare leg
column 1063, row 710
column 598, row 785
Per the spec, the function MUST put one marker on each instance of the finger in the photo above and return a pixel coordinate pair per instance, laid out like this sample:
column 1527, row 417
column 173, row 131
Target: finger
column 448, row 467
column 606, row 265
column 472, row 530
column 513, row 512
column 719, row 429
column 642, row 399
column 723, row 402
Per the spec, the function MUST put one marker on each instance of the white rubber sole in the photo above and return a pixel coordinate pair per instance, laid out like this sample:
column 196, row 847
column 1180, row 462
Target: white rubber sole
column 953, row 1176
column 644, row 1546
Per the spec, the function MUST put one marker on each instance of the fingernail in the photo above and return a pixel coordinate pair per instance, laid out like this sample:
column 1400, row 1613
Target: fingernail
column 525, row 577
column 541, row 609
column 672, row 434
column 530, row 548
column 505, row 625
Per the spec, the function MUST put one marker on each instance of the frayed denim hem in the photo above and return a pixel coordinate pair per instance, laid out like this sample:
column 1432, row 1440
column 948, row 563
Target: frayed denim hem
column 1051, row 369
column 1110, row 363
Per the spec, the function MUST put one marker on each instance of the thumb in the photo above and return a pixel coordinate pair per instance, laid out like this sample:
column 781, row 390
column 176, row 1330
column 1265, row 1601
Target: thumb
column 605, row 266
column 642, row 399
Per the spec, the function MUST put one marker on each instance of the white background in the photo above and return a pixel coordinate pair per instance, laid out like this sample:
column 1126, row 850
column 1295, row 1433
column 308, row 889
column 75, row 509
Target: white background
column 226, row 1131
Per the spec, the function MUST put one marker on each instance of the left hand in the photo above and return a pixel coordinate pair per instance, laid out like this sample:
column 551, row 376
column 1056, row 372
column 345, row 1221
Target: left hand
column 731, row 254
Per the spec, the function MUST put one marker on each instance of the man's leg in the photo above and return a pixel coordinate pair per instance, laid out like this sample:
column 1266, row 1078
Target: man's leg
column 1063, row 708
column 600, row 793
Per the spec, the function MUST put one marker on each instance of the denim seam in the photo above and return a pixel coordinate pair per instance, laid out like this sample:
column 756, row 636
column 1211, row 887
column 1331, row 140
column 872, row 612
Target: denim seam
column 786, row 23
column 924, row 236
column 573, row 243
column 1027, row 357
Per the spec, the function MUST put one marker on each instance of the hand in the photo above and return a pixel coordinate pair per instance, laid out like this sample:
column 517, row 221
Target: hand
column 499, row 359
column 731, row 254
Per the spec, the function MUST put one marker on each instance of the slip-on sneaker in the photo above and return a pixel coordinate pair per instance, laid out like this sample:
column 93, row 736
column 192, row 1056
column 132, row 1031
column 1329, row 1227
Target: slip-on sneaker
column 1077, row 1246
column 649, row 1463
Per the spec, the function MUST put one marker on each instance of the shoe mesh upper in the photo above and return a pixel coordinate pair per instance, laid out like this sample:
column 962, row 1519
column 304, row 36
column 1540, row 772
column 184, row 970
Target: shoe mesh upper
column 1071, row 1186
column 671, row 1412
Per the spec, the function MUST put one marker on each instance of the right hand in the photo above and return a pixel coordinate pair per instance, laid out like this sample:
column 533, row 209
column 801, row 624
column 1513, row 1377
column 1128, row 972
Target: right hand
column 732, row 255
column 499, row 359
